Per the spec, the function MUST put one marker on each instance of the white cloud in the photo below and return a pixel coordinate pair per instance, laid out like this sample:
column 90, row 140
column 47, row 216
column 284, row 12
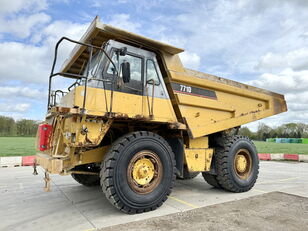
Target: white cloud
column 287, row 81
column 26, row 63
column 13, row 6
column 294, row 85
column 20, row 91
column 32, row 64
column 21, row 107
column 28, row 67
column 190, row 60
column 295, row 59
column 124, row 22
column 23, row 26
column 231, row 36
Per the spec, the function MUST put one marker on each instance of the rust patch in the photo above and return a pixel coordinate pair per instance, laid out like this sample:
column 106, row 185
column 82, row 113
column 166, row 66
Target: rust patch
column 178, row 126
column 279, row 105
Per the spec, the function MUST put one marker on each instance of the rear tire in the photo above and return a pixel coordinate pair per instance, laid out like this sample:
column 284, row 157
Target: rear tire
column 188, row 175
column 237, row 164
column 84, row 179
column 138, row 172
column 211, row 179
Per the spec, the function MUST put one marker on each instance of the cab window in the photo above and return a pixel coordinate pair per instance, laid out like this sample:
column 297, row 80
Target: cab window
column 151, row 73
column 135, row 65
column 134, row 86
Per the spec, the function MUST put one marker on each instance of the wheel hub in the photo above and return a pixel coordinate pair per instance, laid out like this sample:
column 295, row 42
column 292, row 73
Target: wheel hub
column 241, row 163
column 143, row 171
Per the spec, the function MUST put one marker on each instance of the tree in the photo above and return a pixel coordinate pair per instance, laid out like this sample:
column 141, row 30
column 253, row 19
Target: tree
column 7, row 126
column 26, row 127
column 263, row 132
column 245, row 131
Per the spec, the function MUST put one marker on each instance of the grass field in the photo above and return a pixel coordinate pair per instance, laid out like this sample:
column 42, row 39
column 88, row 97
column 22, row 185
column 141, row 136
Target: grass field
column 17, row 146
column 24, row 146
column 268, row 147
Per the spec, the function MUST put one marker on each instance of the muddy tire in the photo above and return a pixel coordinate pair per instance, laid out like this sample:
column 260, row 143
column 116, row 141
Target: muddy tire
column 211, row 180
column 138, row 172
column 188, row 175
column 237, row 164
column 84, row 179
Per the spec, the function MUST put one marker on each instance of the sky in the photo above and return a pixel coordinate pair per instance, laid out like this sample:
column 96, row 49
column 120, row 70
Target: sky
column 259, row 42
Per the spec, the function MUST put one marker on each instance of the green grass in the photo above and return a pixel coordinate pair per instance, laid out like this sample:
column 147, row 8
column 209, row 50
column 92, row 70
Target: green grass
column 268, row 147
column 24, row 146
column 17, row 146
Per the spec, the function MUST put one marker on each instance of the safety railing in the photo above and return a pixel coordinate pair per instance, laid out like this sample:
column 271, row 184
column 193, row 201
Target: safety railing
column 79, row 78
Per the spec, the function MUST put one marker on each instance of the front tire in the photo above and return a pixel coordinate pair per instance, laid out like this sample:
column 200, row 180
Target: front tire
column 237, row 164
column 138, row 172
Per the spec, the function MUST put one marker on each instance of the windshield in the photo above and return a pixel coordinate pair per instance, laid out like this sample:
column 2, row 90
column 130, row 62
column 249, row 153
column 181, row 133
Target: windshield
column 94, row 65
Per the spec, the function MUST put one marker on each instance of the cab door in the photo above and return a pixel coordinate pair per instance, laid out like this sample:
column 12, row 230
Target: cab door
column 127, row 97
column 156, row 102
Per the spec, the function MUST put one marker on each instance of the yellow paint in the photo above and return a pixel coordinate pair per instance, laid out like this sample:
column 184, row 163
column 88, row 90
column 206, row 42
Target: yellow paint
column 291, row 178
column 202, row 142
column 143, row 171
column 124, row 104
column 91, row 156
column 56, row 165
column 90, row 229
column 258, row 190
column 233, row 106
column 241, row 163
column 198, row 159
column 183, row 202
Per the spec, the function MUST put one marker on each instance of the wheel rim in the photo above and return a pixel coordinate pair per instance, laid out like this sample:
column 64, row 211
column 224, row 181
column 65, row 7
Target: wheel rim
column 242, row 164
column 144, row 172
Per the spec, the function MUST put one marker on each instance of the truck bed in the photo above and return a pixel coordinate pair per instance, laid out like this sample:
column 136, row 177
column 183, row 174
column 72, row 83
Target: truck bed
column 227, row 103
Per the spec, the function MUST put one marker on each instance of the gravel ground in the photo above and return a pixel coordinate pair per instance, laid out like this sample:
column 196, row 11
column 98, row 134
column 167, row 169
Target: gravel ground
column 271, row 211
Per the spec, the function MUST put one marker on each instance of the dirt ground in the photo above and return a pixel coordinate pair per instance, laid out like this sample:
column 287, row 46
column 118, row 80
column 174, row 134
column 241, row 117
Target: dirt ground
column 271, row 211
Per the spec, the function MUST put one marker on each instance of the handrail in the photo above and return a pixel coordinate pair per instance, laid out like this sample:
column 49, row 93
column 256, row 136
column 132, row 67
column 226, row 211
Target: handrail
column 77, row 76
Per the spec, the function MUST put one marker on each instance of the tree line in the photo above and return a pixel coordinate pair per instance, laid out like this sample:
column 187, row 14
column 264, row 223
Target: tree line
column 289, row 130
column 26, row 127
column 23, row 127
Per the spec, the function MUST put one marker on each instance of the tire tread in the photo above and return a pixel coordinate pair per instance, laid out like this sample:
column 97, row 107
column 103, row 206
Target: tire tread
column 224, row 177
column 107, row 173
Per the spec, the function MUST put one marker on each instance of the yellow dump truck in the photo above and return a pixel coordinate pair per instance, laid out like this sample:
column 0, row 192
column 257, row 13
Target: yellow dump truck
column 134, row 119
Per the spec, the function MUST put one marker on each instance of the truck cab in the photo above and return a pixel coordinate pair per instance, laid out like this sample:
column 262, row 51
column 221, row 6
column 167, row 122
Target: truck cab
column 145, row 83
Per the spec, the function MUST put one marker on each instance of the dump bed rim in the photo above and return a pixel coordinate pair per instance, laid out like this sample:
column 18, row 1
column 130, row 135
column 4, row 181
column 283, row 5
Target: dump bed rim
column 218, row 79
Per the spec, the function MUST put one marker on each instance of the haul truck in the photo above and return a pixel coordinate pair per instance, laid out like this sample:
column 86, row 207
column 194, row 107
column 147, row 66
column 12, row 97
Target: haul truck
column 135, row 119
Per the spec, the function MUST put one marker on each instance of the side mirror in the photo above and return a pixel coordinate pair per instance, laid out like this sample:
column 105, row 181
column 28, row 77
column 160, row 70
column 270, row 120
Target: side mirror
column 125, row 67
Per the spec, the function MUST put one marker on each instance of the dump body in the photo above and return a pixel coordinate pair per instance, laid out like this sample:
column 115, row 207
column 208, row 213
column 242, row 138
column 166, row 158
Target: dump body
column 211, row 104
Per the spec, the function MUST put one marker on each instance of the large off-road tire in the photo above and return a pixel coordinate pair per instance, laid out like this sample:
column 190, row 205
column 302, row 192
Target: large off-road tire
column 138, row 172
column 188, row 175
column 237, row 164
column 85, row 179
column 211, row 179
